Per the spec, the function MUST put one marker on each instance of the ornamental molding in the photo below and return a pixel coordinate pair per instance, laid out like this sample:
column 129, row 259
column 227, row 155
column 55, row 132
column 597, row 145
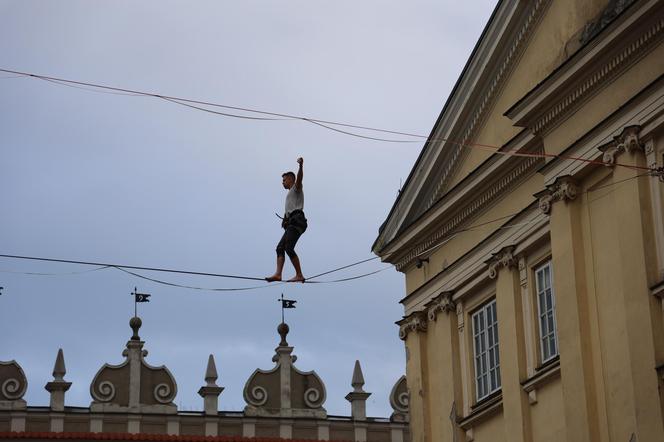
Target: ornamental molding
column 284, row 390
column 600, row 77
column 627, row 141
column 480, row 202
column 415, row 322
column 399, row 400
column 442, row 303
column 134, row 384
column 13, row 382
column 564, row 188
column 504, row 258
column 485, row 103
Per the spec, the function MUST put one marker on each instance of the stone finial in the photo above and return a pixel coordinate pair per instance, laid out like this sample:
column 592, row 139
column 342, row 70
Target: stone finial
column 210, row 393
column 135, row 324
column 59, row 369
column 358, row 379
column 358, row 397
column 283, row 330
column 57, row 387
column 211, row 372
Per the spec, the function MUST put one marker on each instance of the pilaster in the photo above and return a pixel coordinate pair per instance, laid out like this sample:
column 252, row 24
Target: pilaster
column 572, row 316
column 638, row 312
column 512, row 348
column 443, row 367
column 412, row 331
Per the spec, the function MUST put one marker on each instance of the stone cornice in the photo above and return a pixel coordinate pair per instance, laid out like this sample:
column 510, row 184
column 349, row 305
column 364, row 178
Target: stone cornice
column 500, row 185
column 501, row 44
column 564, row 188
column 592, row 68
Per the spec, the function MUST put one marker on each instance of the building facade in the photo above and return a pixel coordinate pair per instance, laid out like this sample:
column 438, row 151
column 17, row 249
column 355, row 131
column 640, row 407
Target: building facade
column 531, row 233
column 134, row 400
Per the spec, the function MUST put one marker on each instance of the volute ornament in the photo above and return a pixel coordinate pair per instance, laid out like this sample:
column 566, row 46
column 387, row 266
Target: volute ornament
column 627, row 141
column 414, row 322
column 504, row 258
column 564, row 188
column 441, row 303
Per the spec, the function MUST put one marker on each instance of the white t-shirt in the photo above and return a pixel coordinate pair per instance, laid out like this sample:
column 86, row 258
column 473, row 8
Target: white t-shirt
column 294, row 200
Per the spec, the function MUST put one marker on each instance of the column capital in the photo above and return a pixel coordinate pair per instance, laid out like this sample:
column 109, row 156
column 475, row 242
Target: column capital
column 415, row 322
column 441, row 303
column 503, row 258
column 564, row 188
column 628, row 141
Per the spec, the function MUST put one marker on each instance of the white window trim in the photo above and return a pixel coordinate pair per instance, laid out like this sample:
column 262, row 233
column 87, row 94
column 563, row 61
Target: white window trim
column 543, row 357
column 485, row 309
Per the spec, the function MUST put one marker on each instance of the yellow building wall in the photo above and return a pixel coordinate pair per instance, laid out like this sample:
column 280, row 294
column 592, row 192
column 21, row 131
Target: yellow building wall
column 548, row 419
column 490, row 430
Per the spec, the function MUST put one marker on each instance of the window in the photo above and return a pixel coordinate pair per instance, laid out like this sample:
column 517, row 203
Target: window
column 547, row 311
column 487, row 359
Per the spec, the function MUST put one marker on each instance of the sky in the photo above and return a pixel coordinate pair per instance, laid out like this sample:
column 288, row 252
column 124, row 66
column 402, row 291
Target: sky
column 140, row 181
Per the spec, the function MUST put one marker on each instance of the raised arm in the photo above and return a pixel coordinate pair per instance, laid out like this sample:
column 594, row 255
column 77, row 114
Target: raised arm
column 298, row 179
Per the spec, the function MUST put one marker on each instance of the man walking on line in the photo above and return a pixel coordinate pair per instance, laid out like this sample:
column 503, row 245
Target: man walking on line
column 294, row 224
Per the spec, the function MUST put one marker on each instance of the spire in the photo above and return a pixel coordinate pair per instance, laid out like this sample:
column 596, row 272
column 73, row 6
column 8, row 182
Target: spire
column 358, row 378
column 59, row 369
column 210, row 394
column 358, row 397
column 211, row 373
column 57, row 387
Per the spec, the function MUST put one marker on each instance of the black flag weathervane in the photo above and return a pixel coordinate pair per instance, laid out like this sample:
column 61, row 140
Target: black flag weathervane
column 139, row 297
column 286, row 303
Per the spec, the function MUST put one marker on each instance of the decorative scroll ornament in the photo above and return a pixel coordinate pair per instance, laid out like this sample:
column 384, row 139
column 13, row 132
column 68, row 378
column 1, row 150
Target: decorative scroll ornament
column 284, row 390
column 13, row 382
column 627, row 141
column 504, row 258
column 399, row 400
column 564, row 188
column 442, row 303
column 414, row 322
column 134, row 384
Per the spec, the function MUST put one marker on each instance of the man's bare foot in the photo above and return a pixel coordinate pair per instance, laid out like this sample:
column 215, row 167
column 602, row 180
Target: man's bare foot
column 273, row 278
column 297, row 278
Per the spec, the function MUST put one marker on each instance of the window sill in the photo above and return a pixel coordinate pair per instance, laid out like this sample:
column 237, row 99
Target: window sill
column 482, row 410
column 544, row 374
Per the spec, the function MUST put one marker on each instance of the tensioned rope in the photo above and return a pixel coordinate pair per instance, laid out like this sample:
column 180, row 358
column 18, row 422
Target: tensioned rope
column 125, row 268
column 272, row 116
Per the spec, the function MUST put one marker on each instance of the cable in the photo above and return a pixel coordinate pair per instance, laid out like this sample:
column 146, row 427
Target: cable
column 55, row 274
column 342, row 268
column 154, row 269
column 322, row 123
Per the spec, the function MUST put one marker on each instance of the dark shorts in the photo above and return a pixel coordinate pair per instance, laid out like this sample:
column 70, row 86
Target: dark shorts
column 295, row 226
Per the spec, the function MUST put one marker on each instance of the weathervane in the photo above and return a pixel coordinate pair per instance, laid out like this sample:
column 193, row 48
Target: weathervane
column 286, row 303
column 139, row 297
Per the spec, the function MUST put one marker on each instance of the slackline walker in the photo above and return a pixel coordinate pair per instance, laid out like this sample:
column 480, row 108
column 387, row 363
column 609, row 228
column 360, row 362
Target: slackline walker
column 294, row 224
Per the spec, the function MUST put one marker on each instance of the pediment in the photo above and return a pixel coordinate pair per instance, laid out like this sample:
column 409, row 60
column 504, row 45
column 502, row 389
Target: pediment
column 464, row 114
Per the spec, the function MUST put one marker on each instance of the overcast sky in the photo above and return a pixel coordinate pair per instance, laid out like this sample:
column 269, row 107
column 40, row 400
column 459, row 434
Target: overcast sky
column 140, row 181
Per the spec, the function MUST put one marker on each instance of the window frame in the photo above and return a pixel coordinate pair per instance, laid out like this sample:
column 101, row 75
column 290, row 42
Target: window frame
column 544, row 340
column 491, row 373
